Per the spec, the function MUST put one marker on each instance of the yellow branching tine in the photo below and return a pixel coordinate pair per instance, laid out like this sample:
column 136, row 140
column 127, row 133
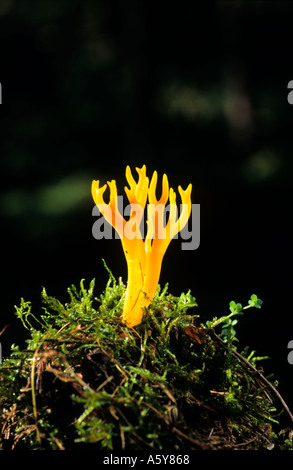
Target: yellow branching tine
column 152, row 190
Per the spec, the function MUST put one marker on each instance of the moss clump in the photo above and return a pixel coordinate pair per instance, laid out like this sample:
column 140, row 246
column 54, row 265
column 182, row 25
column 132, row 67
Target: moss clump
column 86, row 380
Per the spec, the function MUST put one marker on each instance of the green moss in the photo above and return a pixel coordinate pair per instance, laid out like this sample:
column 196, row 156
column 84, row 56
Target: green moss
column 85, row 379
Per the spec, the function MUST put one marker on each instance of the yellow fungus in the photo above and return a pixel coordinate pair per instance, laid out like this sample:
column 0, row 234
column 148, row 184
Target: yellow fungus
column 143, row 256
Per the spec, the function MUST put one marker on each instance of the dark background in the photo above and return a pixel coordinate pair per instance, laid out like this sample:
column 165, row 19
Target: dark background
column 194, row 89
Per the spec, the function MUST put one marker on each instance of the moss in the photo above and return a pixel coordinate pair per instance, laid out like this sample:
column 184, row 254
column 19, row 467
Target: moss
column 86, row 380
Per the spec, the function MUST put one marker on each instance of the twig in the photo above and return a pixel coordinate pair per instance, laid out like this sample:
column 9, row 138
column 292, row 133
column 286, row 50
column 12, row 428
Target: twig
column 259, row 374
column 34, row 400
column 198, row 443
column 3, row 329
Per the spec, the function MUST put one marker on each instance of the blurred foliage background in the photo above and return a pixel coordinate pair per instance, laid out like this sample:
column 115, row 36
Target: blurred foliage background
column 194, row 89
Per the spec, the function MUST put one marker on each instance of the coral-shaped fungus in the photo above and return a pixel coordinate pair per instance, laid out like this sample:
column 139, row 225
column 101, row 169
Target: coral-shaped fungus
column 144, row 257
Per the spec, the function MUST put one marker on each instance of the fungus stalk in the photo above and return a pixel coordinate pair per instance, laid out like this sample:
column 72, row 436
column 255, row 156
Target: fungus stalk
column 144, row 257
